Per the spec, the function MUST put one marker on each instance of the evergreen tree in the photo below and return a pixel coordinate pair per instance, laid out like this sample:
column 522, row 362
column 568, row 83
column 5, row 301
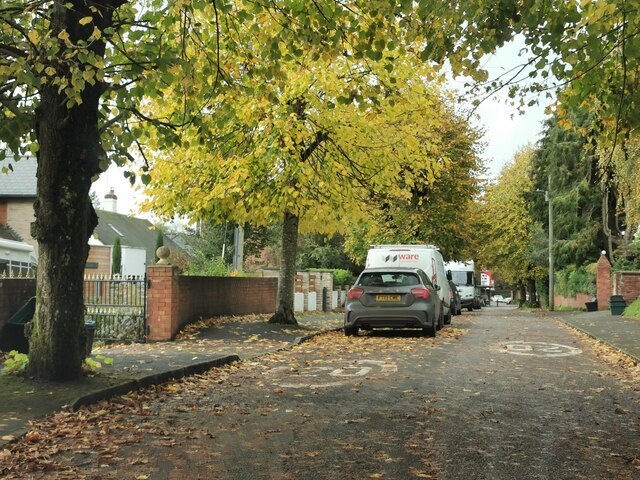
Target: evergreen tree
column 567, row 156
column 116, row 257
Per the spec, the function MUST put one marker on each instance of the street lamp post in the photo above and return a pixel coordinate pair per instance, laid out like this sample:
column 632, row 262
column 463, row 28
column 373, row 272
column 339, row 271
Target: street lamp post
column 547, row 198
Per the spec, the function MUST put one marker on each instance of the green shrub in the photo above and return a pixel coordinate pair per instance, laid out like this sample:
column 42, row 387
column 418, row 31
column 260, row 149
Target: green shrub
column 633, row 310
column 627, row 258
column 90, row 365
column 206, row 267
column 572, row 280
column 341, row 277
column 16, row 363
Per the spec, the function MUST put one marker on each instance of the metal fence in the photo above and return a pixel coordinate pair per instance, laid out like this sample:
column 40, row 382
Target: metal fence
column 118, row 306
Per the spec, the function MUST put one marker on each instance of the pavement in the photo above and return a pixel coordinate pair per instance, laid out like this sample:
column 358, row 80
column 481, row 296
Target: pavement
column 214, row 343
column 127, row 367
column 620, row 332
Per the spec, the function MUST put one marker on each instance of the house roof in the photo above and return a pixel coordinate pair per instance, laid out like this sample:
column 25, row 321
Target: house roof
column 133, row 232
column 20, row 181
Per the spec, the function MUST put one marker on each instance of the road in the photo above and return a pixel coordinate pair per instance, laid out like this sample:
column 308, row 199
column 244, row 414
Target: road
column 499, row 394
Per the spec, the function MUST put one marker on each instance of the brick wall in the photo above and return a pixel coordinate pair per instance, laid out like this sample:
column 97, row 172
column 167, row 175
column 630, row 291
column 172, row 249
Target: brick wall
column 14, row 292
column 174, row 300
column 572, row 302
column 98, row 261
column 3, row 212
column 207, row 296
column 627, row 284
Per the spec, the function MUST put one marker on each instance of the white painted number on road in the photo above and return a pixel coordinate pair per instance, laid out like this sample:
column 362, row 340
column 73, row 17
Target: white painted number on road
column 322, row 377
column 540, row 349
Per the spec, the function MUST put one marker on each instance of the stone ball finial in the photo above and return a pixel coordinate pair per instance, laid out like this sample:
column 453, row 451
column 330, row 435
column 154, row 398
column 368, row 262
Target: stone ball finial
column 163, row 254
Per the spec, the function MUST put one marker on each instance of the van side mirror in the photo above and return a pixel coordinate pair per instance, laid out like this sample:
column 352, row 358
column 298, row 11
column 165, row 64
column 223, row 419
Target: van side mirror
column 436, row 286
column 449, row 275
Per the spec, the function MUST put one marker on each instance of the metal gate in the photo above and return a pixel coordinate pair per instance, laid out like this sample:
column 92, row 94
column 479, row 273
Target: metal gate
column 118, row 306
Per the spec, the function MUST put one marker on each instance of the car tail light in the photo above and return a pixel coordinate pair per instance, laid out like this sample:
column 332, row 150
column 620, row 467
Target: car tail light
column 355, row 293
column 420, row 292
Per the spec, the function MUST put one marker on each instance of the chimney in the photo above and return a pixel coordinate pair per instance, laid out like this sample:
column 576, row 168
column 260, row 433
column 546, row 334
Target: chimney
column 111, row 202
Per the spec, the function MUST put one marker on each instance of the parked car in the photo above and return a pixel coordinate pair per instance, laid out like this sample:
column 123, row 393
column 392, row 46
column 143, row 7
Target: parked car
column 456, row 301
column 426, row 257
column 393, row 297
column 498, row 299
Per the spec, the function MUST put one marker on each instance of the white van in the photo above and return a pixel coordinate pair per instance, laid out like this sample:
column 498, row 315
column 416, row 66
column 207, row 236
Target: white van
column 463, row 275
column 425, row 257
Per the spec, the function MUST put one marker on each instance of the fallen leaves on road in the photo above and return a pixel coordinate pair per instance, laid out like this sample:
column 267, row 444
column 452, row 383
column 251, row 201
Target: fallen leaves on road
column 93, row 441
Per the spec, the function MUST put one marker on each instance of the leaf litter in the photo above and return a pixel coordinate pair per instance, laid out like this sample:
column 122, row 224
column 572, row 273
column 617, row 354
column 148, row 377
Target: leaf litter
column 89, row 443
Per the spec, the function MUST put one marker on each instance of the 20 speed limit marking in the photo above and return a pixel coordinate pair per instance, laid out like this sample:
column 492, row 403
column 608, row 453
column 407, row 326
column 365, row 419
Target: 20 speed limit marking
column 539, row 349
column 323, row 377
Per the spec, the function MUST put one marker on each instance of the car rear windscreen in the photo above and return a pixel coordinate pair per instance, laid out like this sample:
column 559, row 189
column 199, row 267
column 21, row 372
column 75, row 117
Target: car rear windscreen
column 388, row 279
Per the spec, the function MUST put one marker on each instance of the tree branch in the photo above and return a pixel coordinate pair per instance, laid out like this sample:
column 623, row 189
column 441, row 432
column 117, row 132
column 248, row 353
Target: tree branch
column 12, row 51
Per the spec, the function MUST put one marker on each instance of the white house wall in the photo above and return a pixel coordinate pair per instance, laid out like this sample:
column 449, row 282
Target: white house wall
column 133, row 261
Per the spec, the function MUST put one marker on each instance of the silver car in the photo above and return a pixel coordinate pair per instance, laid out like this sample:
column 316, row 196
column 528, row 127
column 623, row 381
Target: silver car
column 393, row 297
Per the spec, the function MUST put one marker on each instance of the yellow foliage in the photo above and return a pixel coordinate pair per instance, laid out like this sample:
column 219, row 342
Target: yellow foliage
column 508, row 227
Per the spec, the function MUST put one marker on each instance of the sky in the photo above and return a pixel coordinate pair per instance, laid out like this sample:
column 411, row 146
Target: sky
column 506, row 131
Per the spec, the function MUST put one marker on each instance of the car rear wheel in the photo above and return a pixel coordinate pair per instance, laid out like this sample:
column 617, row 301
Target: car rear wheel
column 351, row 331
column 431, row 331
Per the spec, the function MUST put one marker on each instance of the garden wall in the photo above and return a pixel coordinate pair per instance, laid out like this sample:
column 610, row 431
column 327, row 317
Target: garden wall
column 627, row 284
column 572, row 302
column 174, row 300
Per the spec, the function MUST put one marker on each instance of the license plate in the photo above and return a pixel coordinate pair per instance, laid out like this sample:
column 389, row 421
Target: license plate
column 387, row 298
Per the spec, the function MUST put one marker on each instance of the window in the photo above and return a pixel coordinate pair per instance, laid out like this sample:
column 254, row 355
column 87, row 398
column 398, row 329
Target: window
column 388, row 279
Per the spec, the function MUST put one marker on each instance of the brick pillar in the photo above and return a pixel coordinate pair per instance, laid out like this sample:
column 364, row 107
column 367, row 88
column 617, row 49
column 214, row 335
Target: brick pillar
column 3, row 212
column 603, row 282
column 162, row 302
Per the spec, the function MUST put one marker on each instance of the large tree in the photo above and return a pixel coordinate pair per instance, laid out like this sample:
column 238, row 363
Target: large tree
column 438, row 212
column 311, row 152
column 568, row 156
column 51, row 71
column 71, row 80
column 507, row 228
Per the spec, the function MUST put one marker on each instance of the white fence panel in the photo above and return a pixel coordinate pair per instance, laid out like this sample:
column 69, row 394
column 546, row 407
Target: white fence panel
column 312, row 302
column 298, row 302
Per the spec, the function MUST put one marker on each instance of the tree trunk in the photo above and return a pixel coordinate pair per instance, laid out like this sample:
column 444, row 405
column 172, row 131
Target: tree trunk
column 284, row 310
column 533, row 294
column 68, row 159
column 522, row 293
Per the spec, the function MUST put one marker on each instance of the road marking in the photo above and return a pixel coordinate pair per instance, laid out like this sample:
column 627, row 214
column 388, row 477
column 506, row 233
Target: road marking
column 539, row 349
column 313, row 377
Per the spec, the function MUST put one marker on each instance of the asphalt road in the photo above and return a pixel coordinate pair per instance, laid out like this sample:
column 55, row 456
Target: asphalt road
column 497, row 395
